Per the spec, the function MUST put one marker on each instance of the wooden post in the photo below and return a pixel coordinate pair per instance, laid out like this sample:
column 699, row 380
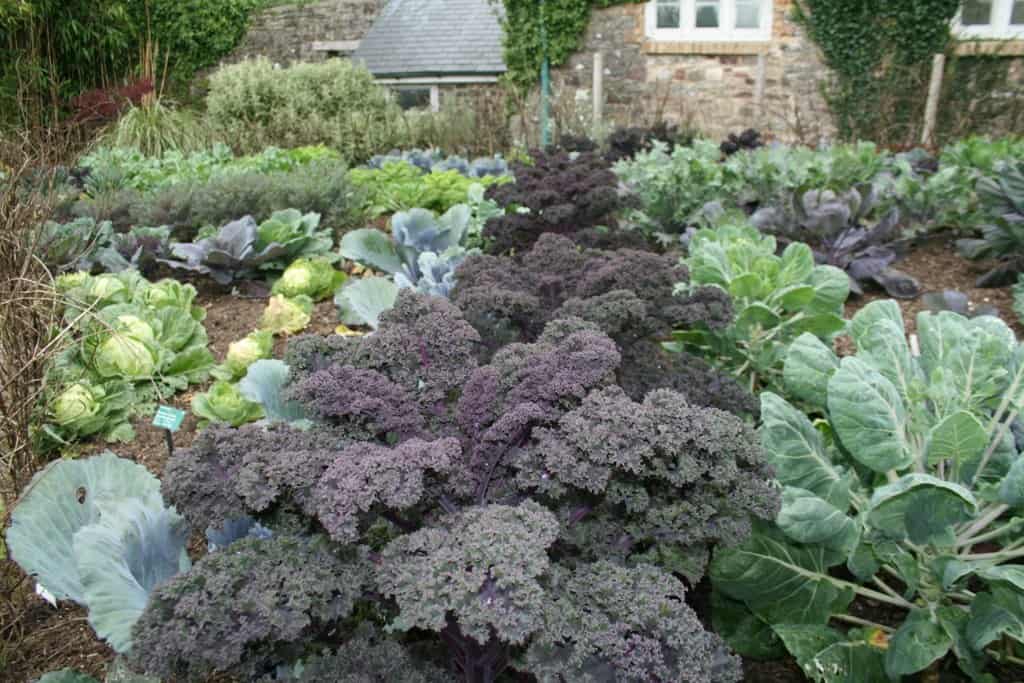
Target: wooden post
column 931, row 110
column 597, row 95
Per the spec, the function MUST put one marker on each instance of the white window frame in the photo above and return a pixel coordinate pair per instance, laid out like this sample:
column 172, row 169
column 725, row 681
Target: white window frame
column 688, row 31
column 999, row 29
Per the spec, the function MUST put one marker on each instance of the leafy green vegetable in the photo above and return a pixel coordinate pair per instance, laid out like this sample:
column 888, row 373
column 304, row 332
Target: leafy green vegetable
column 285, row 315
column 314, row 277
column 776, row 298
column 135, row 342
column 96, row 531
column 224, row 404
column 243, row 353
column 912, row 484
column 1002, row 198
column 362, row 301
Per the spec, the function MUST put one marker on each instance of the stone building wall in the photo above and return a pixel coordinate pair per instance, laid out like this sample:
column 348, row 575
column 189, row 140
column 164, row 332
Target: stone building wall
column 286, row 33
column 716, row 88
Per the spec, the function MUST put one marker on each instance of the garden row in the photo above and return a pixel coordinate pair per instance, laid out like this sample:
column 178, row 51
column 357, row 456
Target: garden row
column 566, row 391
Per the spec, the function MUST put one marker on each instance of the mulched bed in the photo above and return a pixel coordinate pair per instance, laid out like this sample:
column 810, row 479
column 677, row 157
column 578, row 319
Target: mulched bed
column 36, row 638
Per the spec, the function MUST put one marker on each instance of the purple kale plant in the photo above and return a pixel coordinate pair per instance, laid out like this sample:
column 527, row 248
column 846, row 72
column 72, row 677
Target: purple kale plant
column 443, row 519
column 559, row 192
column 627, row 294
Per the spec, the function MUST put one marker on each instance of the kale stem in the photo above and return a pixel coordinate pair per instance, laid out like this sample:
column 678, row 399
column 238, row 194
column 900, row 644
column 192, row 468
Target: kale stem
column 886, row 587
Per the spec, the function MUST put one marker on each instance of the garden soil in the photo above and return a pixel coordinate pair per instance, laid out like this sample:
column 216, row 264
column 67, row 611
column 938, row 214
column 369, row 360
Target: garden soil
column 36, row 638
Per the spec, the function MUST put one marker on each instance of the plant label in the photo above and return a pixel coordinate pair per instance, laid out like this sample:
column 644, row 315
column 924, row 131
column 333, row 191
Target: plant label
column 168, row 418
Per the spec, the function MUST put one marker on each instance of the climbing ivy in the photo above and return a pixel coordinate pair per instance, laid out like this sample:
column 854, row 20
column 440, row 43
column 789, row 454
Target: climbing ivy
column 563, row 21
column 876, row 50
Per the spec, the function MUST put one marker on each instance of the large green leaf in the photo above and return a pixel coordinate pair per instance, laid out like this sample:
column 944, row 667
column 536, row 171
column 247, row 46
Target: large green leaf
column 132, row 549
column 869, row 417
column 884, row 347
column 747, row 634
column 990, row 619
column 1011, row 488
column 781, row 582
column 831, row 289
column 959, row 438
column 806, row 518
column 58, row 502
column 916, row 644
column 809, row 365
column 827, row 656
column 796, row 265
column 796, row 451
column 922, row 508
column 371, row 248
column 873, row 313
column 363, row 301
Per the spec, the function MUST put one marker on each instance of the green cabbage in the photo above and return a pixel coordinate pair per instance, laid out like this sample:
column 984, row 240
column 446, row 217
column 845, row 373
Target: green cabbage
column 224, row 403
column 315, row 277
column 243, row 353
column 285, row 315
column 85, row 408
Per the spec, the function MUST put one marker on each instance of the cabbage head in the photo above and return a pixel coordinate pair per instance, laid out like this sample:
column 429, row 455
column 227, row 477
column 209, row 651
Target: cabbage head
column 129, row 351
column 284, row 315
column 243, row 353
column 224, row 403
column 170, row 293
column 315, row 277
column 84, row 408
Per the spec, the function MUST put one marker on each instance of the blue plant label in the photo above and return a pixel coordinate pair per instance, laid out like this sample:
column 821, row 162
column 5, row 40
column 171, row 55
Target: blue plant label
column 168, row 418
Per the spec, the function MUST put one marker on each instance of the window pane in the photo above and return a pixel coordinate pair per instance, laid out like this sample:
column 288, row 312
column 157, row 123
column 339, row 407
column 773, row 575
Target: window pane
column 707, row 14
column 748, row 13
column 976, row 13
column 668, row 13
column 413, row 98
column 1018, row 13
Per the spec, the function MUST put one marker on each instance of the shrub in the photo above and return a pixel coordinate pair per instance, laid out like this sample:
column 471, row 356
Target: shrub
column 318, row 187
column 505, row 517
column 156, row 127
column 907, row 493
column 336, row 103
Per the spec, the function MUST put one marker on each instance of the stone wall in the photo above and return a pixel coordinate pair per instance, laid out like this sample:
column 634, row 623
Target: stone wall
column 716, row 88
column 286, row 33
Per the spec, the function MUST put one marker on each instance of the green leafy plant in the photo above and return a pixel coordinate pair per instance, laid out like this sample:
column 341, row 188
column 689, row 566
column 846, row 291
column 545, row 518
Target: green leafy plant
column 224, row 404
column 95, row 531
column 776, row 299
column 907, row 493
column 284, row 315
column 1002, row 199
column 315, row 277
column 242, row 353
column 135, row 342
column 401, row 186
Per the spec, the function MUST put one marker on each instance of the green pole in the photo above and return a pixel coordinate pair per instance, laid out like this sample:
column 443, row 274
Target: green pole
column 545, row 83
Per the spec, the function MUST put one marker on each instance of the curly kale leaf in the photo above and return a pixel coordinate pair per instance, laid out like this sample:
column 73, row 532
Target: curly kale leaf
column 367, row 475
column 482, row 566
column 367, row 657
column 243, row 611
column 230, row 472
column 606, row 622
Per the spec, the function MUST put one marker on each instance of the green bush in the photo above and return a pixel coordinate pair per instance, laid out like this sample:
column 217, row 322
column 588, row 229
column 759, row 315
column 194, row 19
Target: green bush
column 335, row 103
column 157, row 128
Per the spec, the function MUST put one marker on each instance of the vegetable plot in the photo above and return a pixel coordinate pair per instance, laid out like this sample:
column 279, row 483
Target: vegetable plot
column 912, row 483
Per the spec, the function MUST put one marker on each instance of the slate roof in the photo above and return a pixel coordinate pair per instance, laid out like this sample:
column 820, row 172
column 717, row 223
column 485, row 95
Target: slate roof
column 434, row 37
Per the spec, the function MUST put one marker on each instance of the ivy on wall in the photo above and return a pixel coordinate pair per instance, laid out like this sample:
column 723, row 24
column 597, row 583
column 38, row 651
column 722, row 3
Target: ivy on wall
column 564, row 23
column 878, row 52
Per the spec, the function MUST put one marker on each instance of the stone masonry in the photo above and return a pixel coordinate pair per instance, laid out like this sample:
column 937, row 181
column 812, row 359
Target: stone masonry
column 286, row 33
column 716, row 88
